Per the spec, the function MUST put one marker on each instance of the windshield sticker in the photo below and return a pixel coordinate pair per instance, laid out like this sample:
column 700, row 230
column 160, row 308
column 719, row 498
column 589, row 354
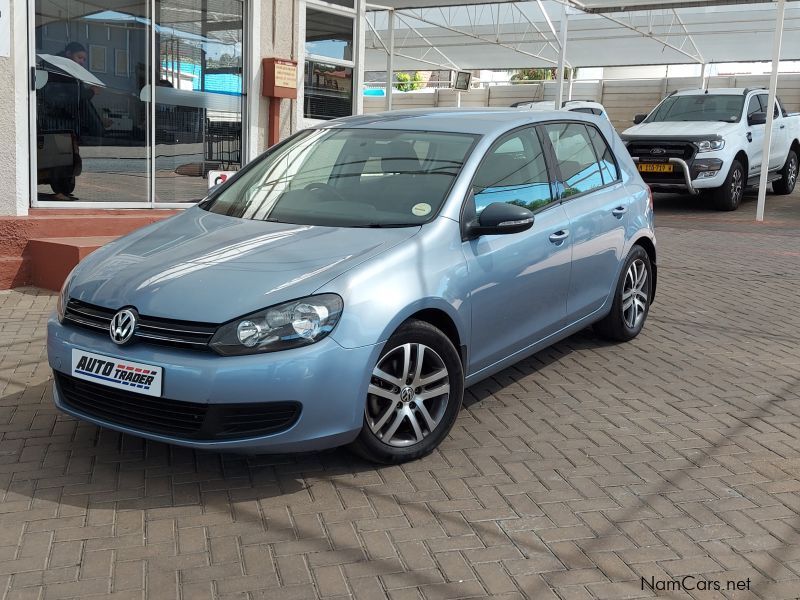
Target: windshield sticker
column 421, row 209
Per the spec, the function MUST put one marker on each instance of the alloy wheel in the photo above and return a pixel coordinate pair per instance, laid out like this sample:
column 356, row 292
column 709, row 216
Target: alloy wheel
column 635, row 294
column 736, row 186
column 791, row 175
column 408, row 395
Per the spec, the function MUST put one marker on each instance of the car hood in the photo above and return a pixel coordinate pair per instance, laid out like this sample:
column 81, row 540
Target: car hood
column 680, row 130
column 200, row 266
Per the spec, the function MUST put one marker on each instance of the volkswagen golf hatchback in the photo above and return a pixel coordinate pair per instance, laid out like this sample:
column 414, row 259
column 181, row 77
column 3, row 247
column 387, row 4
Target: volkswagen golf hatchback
column 345, row 287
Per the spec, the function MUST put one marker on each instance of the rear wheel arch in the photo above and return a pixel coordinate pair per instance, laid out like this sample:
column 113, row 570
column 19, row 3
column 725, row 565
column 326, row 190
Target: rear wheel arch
column 649, row 247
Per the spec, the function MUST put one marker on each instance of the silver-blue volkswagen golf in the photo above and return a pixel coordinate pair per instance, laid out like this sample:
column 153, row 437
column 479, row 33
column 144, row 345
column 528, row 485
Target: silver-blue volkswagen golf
column 345, row 287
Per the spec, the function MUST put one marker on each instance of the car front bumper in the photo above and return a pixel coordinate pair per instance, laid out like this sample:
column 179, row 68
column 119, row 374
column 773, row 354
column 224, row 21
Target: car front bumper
column 693, row 176
column 329, row 381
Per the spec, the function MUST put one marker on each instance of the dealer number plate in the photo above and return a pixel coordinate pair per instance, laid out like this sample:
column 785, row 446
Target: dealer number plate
column 655, row 168
column 117, row 373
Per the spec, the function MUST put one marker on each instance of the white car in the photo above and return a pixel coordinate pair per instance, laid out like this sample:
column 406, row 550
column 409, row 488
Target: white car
column 583, row 106
column 712, row 141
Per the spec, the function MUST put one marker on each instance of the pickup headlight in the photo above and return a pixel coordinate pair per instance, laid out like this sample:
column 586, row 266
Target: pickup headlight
column 710, row 145
column 289, row 325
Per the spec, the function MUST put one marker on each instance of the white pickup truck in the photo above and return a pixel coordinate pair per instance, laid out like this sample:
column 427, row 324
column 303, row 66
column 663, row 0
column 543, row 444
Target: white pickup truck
column 712, row 141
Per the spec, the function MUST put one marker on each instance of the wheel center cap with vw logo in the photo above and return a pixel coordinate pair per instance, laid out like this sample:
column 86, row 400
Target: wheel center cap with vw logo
column 123, row 325
column 407, row 394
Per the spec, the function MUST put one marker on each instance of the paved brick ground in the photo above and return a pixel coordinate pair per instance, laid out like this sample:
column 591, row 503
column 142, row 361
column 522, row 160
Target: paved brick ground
column 572, row 475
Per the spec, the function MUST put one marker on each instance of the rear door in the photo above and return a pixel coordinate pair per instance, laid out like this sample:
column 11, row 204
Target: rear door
column 755, row 145
column 596, row 204
column 778, row 148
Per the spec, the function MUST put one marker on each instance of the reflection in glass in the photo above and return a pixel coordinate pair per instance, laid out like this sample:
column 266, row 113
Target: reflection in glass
column 328, row 91
column 198, row 95
column 91, row 124
column 329, row 35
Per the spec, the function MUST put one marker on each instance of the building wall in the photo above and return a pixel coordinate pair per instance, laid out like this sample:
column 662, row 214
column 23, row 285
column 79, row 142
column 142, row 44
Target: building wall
column 13, row 119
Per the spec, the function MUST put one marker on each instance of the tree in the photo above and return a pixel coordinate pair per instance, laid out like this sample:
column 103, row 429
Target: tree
column 543, row 74
column 406, row 82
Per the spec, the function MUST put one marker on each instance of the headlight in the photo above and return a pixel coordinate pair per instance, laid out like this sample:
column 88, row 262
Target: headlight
column 63, row 297
column 710, row 145
column 288, row 325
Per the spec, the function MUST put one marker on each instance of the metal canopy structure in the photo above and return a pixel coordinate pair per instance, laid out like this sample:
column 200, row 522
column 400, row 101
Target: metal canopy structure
column 467, row 34
column 515, row 35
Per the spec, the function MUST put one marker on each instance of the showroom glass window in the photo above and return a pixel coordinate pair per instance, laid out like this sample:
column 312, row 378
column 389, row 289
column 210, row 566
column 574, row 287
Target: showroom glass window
column 513, row 171
column 577, row 161
column 136, row 103
column 329, row 64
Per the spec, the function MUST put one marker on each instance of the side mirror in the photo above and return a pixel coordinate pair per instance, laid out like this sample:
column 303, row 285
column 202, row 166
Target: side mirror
column 500, row 218
column 757, row 118
column 638, row 119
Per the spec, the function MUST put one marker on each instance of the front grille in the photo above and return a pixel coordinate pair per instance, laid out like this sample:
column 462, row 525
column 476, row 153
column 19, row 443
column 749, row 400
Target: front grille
column 643, row 150
column 185, row 420
column 152, row 330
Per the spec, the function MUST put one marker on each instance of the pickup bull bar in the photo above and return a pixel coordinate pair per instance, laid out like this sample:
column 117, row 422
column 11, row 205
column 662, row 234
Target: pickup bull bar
column 687, row 178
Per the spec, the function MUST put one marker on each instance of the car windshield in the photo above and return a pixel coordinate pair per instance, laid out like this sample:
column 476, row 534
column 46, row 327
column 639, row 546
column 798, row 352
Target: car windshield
column 699, row 107
column 349, row 178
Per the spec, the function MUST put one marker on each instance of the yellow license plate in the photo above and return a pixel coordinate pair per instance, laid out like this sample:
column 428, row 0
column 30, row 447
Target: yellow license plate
column 655, row 168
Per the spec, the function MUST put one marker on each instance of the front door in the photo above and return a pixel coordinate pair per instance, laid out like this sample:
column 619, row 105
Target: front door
column 518, row 281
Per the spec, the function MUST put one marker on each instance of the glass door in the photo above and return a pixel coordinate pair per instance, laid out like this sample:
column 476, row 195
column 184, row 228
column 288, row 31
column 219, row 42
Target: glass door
column 135, row 102
column 92, row 127
column 198, row 95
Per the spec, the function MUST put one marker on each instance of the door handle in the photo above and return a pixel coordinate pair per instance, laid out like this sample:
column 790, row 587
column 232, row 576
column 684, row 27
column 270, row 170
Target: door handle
column 783, row 127
column 619, row 211
column 559, row 236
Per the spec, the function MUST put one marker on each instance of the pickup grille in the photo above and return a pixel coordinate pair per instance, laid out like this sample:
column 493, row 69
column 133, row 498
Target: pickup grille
column 644, row 150
column 150, row 330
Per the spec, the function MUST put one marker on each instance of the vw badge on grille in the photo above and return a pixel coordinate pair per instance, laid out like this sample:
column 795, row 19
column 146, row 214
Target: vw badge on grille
column 122, row 326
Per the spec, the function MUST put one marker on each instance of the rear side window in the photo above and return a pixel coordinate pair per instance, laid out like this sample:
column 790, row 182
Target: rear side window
column 513, row 171
column 608, row 166
column 580, row 170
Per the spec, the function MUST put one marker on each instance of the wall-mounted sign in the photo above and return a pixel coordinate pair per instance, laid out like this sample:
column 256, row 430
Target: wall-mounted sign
column 278, row 78
column 5, row 28
column 217, row 177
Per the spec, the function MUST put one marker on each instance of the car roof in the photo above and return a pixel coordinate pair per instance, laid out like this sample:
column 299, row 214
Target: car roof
column 480, row 121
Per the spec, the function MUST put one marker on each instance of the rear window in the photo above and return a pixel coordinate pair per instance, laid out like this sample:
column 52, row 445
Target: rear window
column 577, row 161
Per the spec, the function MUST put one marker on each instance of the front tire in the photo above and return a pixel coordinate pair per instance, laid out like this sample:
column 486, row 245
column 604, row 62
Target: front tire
column 785, row 185
column 729, row 195
column 631, row 299
column 414, row 395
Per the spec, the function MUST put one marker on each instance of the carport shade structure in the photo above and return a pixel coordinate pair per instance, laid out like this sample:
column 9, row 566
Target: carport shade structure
column 582, row 33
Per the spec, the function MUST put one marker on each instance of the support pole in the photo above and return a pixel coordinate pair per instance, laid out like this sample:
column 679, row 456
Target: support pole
column 562, row 54
column 703, row 78
column 773, row 86
column 390, row 62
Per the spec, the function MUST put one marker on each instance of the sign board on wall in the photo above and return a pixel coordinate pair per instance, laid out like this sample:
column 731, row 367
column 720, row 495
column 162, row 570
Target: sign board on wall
column 5, row 28
column 217, row 177
column 278, row 78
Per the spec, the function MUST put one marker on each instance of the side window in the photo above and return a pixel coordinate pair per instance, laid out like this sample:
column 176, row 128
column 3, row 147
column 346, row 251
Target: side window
column 513, row 171
column 608, row 166
column 754, row 106
column 765, row 103
column 580, row 171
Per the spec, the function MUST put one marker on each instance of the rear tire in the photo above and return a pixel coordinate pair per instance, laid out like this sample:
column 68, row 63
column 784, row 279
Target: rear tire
column 631, row 299
column 414, row 396
column 729, row 195
column 785, row 185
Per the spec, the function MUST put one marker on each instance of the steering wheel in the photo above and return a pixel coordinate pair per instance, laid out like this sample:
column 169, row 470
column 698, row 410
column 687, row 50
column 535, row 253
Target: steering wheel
column 326, row 187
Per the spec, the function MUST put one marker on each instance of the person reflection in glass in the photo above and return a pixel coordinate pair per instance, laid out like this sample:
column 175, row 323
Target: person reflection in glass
column 64, row 94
